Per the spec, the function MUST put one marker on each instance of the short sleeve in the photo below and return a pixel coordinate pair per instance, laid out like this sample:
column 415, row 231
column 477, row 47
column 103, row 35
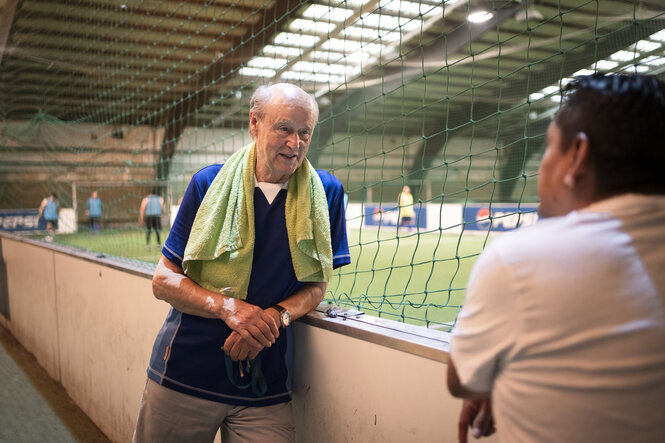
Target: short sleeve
column 486, row 328
column 335, row 196
column 174, row 247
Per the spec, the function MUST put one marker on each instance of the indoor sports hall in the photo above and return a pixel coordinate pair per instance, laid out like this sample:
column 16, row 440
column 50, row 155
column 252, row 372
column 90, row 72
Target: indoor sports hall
column 104, row 102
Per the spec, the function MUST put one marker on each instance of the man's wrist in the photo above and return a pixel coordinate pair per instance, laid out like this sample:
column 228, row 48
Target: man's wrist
column 284, row 315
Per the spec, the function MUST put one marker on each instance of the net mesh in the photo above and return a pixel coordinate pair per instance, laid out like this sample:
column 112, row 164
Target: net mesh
column 122, row 98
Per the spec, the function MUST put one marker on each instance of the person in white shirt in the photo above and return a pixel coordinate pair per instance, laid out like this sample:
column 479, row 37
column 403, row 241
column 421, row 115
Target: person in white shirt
column 562, row 335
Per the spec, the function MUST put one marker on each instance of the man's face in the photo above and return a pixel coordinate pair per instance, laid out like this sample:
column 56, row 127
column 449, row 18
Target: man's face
column 282, row 136
column 552, row 191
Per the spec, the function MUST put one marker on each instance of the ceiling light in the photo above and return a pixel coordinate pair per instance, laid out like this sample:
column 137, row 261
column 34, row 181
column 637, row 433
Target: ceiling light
column 479, row 16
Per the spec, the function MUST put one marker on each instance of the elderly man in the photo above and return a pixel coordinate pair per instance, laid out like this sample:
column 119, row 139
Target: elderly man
column 251, row 250
column 563, row 329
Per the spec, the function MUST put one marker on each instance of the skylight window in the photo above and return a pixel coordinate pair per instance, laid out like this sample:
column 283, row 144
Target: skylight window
column 383, row 21
column 312, row 77
column 583, row 72
column 282, row 51
column 317, row 27
column 536, row 96
column 327, row 56
column 409, row 8
column 647, row 46
column 658, row 36
column 655, row 61
column 256, row 72
column 316, row 48
column 298, row 40
column 369, row 34
column 345, row 46
column 606, row 65
column 624, row 56
column 267, row 62
column 320, row 67
column 326, row 13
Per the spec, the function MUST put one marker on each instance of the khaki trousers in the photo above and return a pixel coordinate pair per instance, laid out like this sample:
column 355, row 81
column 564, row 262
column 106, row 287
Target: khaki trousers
column 166, row 415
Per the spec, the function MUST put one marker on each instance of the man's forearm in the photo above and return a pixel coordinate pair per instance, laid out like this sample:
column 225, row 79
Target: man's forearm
column 305, row 299
column 174, row 287
column 170, row 284
column 455, row 386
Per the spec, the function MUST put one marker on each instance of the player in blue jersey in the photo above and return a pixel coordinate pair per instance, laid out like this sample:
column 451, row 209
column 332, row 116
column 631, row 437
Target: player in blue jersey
column 150, row 213
column 223, row 358
column 93, row 209
column 49, row 209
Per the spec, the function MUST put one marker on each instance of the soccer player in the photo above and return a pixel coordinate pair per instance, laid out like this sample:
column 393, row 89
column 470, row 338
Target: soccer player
column 562, row 335
column 150, row 212
column 406, row 212
column 93, row 209
column 50, row 209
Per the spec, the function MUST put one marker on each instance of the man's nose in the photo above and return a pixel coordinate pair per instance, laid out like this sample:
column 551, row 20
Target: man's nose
column 293, row 141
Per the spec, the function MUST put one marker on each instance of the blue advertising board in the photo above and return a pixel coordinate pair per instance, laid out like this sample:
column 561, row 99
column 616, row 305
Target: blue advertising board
column 376, row 215
column 19, row 220
column 479, row 217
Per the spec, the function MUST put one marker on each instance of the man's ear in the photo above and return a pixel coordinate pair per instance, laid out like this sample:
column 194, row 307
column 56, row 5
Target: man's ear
column 580, row 160
column 253, row 123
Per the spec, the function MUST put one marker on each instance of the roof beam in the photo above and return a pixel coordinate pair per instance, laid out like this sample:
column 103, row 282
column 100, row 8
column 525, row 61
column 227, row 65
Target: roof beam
column 6, row 21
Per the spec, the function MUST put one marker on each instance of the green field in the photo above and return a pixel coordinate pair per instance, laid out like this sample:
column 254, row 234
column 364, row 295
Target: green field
column 415, row 278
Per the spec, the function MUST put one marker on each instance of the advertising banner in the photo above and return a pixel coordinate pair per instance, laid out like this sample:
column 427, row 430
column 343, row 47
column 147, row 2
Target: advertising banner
column 501, row 217
column 19, row 220
column 376, row 215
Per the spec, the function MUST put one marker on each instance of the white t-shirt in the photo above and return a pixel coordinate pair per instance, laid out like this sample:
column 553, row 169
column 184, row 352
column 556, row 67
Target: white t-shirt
column 564, row 323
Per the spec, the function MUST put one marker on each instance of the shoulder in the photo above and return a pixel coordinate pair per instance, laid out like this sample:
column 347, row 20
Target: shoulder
column 205, row 176
column 549, row 240
column 329, row 181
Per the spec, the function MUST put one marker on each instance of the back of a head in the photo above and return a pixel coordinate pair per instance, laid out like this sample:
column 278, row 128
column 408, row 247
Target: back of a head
column 623, row 117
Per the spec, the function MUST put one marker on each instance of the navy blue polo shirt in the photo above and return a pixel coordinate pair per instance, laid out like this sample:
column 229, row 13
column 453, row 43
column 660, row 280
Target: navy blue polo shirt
column 187, row 355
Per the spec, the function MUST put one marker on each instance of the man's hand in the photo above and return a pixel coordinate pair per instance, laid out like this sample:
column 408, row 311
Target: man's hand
column 238, row 349
column 477, row 414
column 255, row 325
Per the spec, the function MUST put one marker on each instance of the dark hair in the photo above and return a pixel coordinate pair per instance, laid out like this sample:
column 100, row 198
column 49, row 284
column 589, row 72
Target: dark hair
column 623, row 117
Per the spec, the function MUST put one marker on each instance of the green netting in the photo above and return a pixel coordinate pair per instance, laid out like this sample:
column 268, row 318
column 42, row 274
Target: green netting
column 121, row 98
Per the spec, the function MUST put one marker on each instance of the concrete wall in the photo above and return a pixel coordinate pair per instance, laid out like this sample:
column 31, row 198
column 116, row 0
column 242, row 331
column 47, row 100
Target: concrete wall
column 91, row 323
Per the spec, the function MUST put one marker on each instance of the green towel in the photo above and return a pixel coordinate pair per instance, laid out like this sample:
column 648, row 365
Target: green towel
column 220, row 248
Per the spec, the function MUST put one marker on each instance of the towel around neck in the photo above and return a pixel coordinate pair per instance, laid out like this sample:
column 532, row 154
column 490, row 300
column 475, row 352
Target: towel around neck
column 220, row 248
